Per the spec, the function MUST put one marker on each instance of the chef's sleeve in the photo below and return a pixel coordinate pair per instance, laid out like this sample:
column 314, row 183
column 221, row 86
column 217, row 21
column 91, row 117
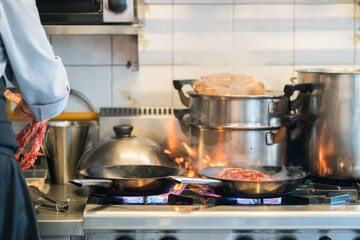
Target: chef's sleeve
column 38, row 73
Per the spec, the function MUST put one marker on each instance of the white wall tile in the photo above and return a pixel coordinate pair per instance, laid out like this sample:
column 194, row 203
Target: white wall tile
column 155, row 43
column 356, row 37
column 202, row 34
column 297, row 1
column 121, row 49
column 325, row 1
column 264, row 1
column 273, row 77
column 151, row 86
column 158, row 1
column 94, row 82
column 83, row 49
column 263, row 34
column 324, row 34
column 203, row 1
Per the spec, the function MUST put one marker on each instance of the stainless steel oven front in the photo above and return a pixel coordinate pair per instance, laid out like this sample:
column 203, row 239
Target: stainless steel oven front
column 89, row 12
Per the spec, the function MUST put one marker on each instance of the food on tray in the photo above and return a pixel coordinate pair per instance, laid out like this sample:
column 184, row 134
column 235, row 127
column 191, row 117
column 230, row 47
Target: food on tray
column 229, row 84
column 25, row 134
column 241, row 174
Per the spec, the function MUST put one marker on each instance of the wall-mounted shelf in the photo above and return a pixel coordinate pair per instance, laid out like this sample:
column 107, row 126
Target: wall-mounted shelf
column 91, row 29
column 129, row 30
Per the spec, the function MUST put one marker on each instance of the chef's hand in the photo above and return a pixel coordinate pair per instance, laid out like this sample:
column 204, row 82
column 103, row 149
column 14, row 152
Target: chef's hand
column 22, row 111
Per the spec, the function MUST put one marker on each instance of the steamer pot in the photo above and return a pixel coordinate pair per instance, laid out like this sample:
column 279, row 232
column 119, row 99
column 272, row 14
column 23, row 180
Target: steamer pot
column 237, row 129
column 332, row 140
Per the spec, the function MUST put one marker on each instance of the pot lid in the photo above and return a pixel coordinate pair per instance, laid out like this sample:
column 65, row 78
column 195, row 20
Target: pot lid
column 124, row 149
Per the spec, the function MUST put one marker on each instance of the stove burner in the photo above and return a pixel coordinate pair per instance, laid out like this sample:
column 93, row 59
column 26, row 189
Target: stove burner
column 308, row 193
column 122, row 200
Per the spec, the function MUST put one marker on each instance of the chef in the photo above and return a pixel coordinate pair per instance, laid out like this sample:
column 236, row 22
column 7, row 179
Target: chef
column 27, row 61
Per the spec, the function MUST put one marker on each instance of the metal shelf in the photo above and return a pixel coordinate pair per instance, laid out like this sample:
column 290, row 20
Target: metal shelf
column 130, row 30
column 91, row 29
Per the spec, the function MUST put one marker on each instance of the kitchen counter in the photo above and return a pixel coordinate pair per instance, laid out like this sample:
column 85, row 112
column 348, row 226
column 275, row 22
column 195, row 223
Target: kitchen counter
column 62, row 225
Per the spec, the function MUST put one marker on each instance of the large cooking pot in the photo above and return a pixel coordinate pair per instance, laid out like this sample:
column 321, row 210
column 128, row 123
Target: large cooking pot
column 284, row 181
column 332, row 141
column 239, row 129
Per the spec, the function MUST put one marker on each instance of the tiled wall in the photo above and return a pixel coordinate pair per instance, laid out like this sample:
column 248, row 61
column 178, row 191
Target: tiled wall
column 191, row 38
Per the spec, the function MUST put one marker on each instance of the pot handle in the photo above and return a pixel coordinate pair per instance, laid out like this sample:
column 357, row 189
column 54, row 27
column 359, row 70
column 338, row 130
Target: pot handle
column 286, row 122
column 92, row 182
column 202, row 181
column 285, row 104
column 178, row 84
column 275, row 137
column 183, row 115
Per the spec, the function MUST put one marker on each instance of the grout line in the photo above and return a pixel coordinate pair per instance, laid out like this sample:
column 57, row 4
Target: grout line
column 233, row 55
column 294, row 37
column 172, row 53
column 111, row 71
column 355, row 35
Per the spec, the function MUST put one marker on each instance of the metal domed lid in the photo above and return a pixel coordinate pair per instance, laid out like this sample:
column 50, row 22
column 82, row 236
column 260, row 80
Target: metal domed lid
column 124, row 149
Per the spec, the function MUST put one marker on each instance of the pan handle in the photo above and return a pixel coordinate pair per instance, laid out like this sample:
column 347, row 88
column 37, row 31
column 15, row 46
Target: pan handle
column 92, row 182
column 203, row 181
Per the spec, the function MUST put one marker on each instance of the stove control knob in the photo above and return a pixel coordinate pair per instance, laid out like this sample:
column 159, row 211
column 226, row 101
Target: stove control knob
column 125, row 238
column 244, row 238
column 168, row 238
column 325, row 238
column 287, row 238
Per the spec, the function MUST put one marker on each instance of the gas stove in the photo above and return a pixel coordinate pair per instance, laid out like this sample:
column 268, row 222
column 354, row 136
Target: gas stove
column 318, row 209
column 314, row 211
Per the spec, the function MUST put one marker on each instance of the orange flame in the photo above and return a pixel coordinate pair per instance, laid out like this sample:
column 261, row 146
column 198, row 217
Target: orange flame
column 189, row 150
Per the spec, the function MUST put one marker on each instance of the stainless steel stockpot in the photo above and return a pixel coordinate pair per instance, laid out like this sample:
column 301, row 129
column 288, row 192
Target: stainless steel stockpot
column 333, row 141
column 230, row 146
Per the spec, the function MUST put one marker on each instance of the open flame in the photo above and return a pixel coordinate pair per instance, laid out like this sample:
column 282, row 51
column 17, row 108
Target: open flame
column 185, row 157
column 188, row 162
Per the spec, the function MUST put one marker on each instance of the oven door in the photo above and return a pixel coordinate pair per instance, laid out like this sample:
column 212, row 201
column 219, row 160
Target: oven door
column 86, row 12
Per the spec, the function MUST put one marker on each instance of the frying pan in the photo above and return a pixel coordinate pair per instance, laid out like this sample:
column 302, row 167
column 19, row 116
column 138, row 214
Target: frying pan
column 129, row 180
column 285, row 181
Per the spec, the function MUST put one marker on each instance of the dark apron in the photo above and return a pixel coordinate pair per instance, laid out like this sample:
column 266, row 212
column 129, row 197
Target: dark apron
column 17, row 214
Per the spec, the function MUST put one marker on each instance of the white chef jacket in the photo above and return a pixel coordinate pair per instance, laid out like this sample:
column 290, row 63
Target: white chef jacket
column 37, row 72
